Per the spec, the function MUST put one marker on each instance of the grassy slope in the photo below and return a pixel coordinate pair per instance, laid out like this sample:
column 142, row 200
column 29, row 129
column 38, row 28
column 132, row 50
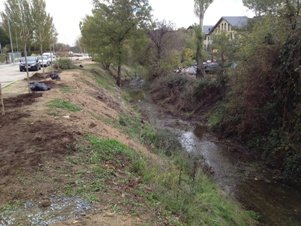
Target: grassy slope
column 119, row 177
column 197, row 202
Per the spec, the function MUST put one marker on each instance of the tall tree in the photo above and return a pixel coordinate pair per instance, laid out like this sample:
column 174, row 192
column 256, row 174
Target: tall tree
column 226, row 49
column 158, row 35
column 200, row 7
column 112, row 24
column 288, row 9
column 43, row 24
column 262, row 6
column 159, row 43
column 4, row 39
column 19, row 14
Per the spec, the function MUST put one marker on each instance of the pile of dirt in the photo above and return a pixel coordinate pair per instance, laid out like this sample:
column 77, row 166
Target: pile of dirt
column 41, row 76
column 38, row 76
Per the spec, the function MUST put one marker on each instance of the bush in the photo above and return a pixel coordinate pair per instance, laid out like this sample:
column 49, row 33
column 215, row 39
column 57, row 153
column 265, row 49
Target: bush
column 263, row 109
column 184, row 94
column 2, row 58
column 64, row 64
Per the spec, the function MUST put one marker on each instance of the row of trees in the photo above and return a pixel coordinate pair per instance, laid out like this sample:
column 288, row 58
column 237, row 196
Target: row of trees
column 29, row 24
column 121, row 30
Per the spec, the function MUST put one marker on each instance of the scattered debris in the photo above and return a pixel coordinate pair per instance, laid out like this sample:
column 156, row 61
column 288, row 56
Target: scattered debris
column 45, row 203
column 54, row 76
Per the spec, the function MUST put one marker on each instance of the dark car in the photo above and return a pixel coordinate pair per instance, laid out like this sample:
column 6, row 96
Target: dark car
column 33, row 64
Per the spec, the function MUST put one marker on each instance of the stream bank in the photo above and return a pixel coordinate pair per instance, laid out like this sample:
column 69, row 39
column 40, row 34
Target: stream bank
column 239, row 175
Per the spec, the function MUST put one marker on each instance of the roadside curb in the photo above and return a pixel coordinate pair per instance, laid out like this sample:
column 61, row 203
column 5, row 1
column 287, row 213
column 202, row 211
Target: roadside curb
column 10, row 83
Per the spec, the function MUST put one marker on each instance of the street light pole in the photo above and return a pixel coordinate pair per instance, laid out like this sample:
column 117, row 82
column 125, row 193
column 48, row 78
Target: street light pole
column 11, row 41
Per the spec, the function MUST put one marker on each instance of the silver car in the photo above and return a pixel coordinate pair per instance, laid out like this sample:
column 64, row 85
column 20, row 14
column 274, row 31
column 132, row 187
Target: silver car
column 44, row 61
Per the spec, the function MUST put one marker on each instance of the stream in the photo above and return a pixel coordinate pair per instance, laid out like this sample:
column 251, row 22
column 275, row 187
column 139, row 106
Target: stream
column 239, row 176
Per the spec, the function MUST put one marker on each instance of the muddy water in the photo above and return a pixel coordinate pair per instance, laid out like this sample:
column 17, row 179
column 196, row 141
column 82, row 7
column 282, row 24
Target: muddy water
column 32, row 213
column 240, row 176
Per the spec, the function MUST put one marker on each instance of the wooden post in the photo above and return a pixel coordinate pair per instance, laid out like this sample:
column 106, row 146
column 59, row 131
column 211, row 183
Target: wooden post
column 1, row 100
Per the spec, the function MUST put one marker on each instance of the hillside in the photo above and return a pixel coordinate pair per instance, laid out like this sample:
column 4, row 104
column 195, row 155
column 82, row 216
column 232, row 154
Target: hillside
column 83, row 143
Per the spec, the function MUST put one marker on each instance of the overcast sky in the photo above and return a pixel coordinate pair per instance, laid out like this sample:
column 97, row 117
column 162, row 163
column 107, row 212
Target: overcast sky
column 68, row 13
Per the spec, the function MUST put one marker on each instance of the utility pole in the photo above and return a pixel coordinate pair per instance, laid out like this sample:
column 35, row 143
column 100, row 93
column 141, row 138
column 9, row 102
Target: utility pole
column 11, row 41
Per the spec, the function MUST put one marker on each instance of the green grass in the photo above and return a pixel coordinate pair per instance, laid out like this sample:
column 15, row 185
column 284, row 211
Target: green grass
column 94, row 157
column 66, row 89
column 63, row 104
column 114, row 151
column 104, row 81
column 100, row 76
column 11, row 206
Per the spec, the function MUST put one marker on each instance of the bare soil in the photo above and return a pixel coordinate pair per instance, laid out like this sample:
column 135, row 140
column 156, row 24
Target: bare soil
column 35, row 141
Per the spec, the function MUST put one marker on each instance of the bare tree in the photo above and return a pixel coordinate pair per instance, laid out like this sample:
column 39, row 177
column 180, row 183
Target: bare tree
column 200, row 7
column 158, row 37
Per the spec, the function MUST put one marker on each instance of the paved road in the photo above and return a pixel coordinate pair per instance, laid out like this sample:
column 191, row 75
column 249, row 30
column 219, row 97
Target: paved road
column 10, row 73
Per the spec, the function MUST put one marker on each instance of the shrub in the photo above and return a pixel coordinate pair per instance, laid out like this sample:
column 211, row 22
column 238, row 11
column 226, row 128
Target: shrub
column 64, row 64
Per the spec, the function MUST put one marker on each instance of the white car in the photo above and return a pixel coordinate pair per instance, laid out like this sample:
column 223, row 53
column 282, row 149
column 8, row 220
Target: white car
column 44, row 61
column 50, row 56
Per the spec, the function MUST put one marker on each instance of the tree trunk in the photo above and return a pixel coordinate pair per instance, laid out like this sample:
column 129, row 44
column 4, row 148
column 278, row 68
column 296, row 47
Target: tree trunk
column 41, row 49
column 106, row 66
column 118, row 79
column 1, row 100
column 26, row 67
column 199, row 58
column 223, row 63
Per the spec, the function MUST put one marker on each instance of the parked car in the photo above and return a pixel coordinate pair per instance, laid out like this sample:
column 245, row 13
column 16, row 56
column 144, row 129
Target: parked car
column 50, row 56
column 33, row 64
column 212, row 67
column 44, row 61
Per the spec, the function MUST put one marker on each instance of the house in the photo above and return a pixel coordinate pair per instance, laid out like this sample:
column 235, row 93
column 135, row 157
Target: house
column 227, row 24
